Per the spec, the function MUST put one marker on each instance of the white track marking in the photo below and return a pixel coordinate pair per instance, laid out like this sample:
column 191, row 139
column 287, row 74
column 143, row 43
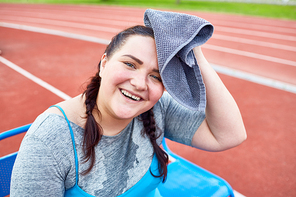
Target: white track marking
column 255, row 78
column 104, row 41
column 255, row 33
column 55, row 32
column 227, row 71
column 254, row 42
column 64, row 24
column 254, row 26
column 250, row 54
column 35, row 79
column 236, row 194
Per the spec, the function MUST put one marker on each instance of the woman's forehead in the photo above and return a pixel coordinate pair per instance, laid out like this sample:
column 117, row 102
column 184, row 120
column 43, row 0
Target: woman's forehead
column 142, row 42
column 141, row 47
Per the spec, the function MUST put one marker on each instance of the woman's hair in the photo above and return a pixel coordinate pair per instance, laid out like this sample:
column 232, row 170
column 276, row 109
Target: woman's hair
column 93, row 131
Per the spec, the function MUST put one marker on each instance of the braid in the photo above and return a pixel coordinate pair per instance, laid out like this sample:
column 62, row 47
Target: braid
column 93, row 131
column 150, row 130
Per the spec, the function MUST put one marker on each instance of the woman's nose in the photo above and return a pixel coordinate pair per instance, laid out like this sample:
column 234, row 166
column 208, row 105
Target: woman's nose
column 139, row 81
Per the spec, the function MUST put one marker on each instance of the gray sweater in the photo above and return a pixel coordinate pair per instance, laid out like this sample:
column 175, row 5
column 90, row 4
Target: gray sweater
column 45, row 163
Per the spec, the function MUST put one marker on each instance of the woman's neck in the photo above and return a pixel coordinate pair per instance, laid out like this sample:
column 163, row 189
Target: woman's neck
column 111, row 126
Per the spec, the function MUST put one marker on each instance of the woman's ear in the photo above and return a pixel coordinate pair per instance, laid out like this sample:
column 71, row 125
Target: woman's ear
column 103, row 64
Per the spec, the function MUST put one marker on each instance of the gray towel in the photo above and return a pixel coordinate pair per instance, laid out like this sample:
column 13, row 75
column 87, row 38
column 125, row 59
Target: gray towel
column 176, row 35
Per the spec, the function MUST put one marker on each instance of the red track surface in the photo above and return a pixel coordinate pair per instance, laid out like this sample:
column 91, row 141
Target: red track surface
column 264, row 165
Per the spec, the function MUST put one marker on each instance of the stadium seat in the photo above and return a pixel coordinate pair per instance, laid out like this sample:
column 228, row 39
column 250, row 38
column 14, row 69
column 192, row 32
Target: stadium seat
column 187, row 179
column 6, row 162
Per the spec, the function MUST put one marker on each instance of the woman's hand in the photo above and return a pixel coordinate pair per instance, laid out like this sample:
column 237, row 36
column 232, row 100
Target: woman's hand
column 223, row 126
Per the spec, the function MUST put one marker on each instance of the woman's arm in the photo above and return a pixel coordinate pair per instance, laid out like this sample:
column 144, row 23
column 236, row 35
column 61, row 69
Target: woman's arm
column 223, row 126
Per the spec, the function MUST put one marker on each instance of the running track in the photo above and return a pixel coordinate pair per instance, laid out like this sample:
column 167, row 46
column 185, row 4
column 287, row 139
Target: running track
column 255, row 57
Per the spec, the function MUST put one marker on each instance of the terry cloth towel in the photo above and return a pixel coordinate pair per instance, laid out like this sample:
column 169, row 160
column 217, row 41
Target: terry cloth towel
column 176, row 34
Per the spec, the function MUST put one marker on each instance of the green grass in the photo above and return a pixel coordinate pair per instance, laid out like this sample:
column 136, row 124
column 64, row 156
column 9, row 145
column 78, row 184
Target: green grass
column 263, row 10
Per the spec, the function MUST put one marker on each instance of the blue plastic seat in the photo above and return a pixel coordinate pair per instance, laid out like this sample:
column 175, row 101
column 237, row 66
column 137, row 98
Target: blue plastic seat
column 187, row 179
column 6, row 162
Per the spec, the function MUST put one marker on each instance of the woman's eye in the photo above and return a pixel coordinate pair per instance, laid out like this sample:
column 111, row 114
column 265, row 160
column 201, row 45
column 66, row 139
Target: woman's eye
column 156, row 77
column 129, row 64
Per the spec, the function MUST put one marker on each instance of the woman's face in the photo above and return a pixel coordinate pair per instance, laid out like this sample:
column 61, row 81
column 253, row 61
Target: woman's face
column 131, row 83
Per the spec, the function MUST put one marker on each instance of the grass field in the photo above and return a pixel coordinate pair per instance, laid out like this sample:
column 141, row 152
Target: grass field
column 253, row 9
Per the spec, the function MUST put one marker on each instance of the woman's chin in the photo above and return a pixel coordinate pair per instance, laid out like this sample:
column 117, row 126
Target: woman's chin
column 125, row 114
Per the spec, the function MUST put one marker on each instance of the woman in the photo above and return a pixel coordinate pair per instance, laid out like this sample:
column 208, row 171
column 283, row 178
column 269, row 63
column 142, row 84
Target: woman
column 118, row 125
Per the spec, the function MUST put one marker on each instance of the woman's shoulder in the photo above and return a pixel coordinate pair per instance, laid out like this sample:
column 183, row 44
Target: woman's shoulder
column 52, row 130
column 73, row 108
column 47, row 124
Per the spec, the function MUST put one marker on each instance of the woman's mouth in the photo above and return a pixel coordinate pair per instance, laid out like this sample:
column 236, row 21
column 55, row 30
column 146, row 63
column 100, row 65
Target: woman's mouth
column 130, row 96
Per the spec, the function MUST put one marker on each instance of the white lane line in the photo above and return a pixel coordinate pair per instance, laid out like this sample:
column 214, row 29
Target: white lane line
column 255, row 78
column 77, row 17
column 63, row 24
column 54, row 20
column 231, row 72
column 255, row 33
column 253, row 26
column 35, row 79
column 236, row 194
column 116, row 30
column 55, row 32
column 254, row 42
column 250, row 54
column 103, row 41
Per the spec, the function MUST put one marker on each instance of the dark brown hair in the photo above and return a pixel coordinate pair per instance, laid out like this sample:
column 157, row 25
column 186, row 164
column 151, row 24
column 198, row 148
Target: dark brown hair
column 93, row 131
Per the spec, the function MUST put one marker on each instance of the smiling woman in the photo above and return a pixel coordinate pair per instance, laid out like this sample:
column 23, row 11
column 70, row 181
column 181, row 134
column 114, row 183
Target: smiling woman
column 106, row 141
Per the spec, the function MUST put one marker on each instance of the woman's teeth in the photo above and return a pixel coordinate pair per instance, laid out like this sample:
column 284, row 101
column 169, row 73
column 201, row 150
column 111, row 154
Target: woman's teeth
column 127, row 94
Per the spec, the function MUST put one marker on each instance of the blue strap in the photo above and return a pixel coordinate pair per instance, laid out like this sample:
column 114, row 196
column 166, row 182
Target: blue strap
column 148, row 184
column 73, row 141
